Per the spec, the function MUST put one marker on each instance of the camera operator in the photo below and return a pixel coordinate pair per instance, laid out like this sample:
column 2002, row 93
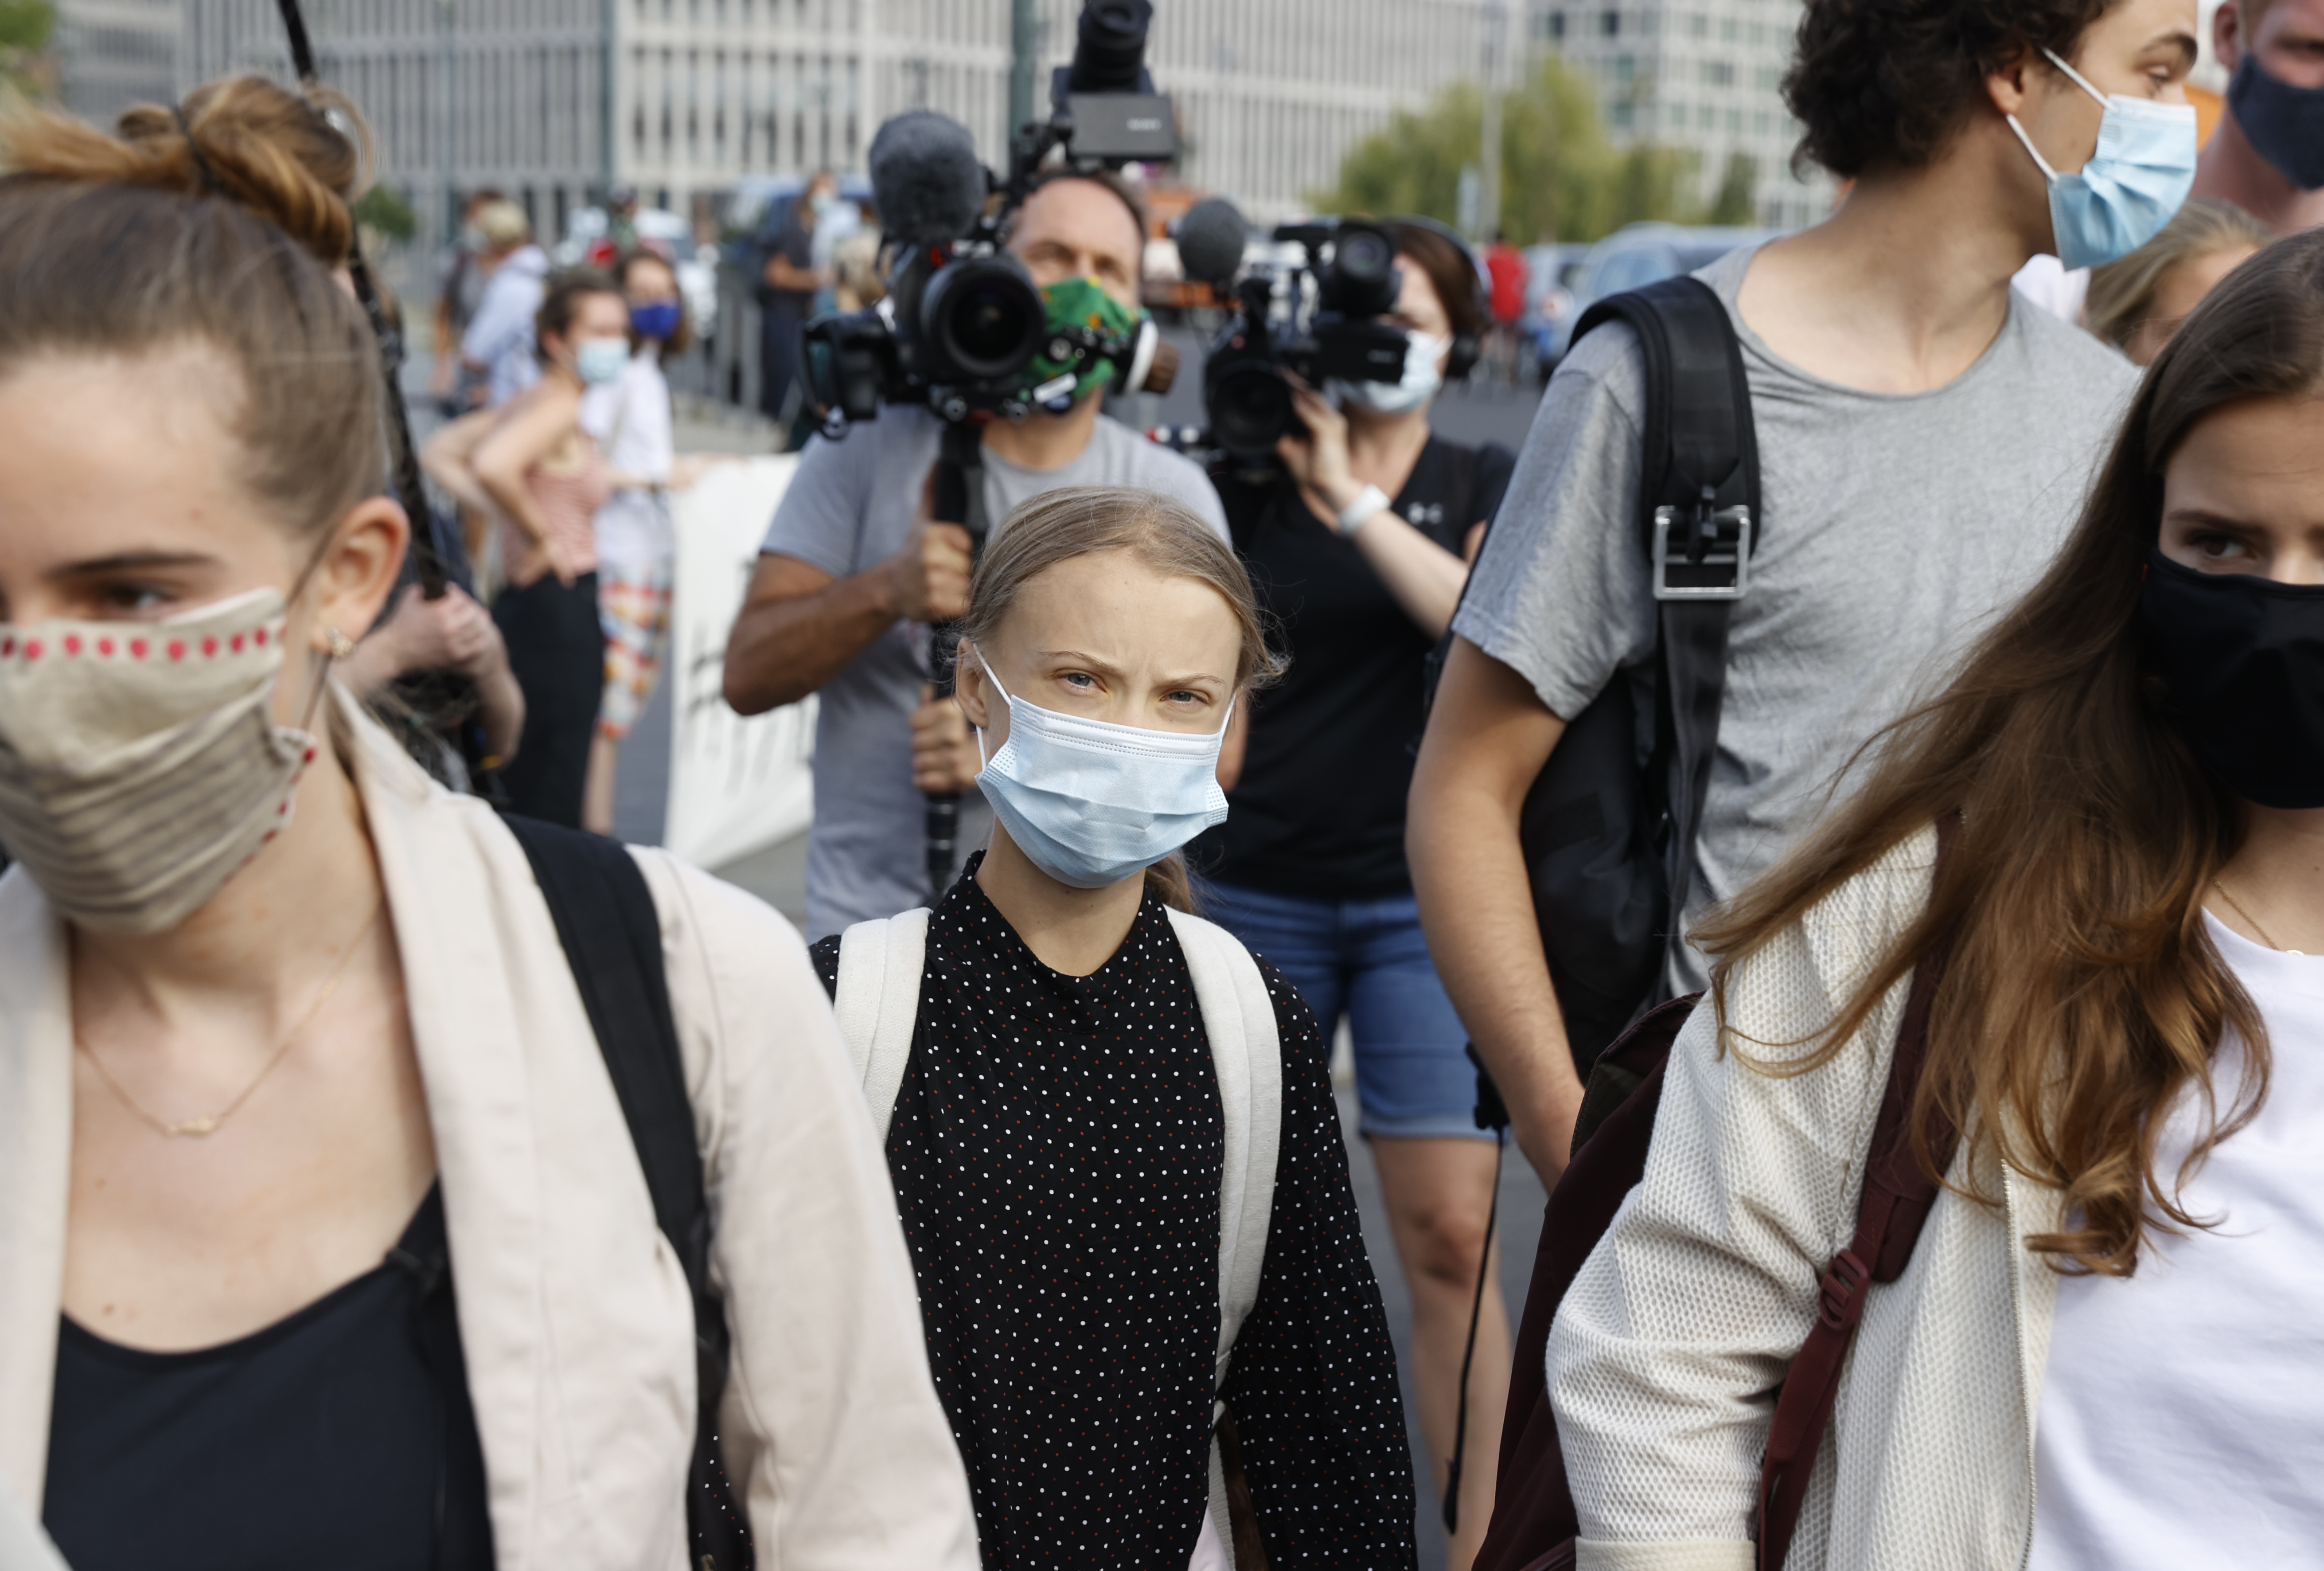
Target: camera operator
column 856, row 567
column 1309, row 866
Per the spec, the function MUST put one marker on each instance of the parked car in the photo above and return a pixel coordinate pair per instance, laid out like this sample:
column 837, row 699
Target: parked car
column 1552, row 271
column 1637, row 255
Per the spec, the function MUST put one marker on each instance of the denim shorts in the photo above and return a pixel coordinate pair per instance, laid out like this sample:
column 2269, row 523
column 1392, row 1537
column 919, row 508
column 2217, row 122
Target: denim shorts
column 1367, row 959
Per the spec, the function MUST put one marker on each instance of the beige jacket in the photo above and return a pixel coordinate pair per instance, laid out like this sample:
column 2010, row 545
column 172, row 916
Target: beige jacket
column 573, row 1312
column 1665, row 1356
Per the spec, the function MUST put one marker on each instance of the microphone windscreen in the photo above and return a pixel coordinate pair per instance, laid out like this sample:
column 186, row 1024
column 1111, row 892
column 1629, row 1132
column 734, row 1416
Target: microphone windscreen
column 925, row 178
column 1211, row 238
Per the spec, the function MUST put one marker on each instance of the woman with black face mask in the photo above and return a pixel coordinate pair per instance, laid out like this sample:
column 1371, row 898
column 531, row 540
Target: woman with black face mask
column 2104, row 1350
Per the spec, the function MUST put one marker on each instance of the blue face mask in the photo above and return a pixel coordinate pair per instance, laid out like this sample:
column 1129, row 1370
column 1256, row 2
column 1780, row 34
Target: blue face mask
column 2136, row 180
column 2283, row 123
column 601, row 360
column 1091, row 802
column 658, row 320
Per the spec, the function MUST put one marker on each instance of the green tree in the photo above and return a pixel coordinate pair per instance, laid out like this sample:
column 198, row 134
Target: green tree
column 25, row 26
column 1560, row 180
column 1735, row 203
column 382, row 209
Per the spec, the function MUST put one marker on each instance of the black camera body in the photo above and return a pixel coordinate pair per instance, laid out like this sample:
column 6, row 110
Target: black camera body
column 963, row 322
column 1318, row 316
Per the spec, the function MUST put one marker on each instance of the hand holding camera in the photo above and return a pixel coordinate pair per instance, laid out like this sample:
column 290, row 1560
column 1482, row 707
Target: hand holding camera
column 928, row 578
column 1315, row 449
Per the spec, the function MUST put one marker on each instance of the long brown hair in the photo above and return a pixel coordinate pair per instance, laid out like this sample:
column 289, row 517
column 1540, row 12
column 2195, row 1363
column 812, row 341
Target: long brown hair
column 2081, row 994
column 218, row 231
column 1160, row 531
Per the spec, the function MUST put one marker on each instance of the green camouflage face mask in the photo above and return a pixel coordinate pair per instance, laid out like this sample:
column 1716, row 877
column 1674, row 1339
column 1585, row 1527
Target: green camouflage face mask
column 1097, row 332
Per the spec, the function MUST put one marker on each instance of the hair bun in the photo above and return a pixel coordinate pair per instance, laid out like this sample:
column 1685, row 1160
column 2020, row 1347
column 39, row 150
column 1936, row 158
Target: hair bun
column 273, row 153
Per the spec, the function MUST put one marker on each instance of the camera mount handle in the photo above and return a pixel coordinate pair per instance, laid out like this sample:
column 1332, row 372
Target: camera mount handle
column 426, row 558
column 959, row 499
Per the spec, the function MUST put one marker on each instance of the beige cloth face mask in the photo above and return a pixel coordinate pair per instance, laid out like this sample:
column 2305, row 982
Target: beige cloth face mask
column 140, row 765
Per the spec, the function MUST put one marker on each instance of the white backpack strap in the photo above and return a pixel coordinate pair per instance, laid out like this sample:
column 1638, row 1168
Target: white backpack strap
column 878, row 1002
column 1247, row 1052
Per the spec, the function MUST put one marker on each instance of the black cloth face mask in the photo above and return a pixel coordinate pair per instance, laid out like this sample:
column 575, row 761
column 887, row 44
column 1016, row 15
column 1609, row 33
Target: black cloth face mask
column 2283, row 123
column 2243, row 657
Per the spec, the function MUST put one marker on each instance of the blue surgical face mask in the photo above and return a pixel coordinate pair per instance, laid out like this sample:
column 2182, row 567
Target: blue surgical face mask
column 601, row 360
column 2283, row 123
column 2136, row 180
column 1091, row 802
column 658, row 319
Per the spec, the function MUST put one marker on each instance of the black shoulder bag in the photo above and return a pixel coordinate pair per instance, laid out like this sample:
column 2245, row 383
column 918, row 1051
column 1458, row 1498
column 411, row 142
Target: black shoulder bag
column 605, row 920
column 1609, row 842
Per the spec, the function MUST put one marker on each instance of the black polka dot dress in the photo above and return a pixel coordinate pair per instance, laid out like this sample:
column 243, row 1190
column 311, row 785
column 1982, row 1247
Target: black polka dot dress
column 1056, row 1150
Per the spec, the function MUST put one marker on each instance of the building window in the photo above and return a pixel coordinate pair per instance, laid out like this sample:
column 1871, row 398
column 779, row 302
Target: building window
column 1549, row 25
column 1609, row 24
column 1622, row 114
column 1625, row 68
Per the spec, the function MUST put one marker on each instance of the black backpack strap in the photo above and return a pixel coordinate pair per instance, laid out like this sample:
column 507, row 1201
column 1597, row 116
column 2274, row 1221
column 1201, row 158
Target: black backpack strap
column 612, row 933
column 1699, row 514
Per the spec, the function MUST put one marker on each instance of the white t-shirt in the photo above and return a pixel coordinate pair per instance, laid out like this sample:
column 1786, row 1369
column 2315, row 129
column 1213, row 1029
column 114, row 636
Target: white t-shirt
column 630, row 417
column 2182, row 1415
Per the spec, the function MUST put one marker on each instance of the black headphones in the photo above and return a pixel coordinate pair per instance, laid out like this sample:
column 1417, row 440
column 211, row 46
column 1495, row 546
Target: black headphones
column 1466, row 349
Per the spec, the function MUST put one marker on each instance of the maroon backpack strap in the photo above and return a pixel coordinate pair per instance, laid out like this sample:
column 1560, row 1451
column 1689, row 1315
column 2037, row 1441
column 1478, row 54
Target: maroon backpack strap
column 1898, row 1194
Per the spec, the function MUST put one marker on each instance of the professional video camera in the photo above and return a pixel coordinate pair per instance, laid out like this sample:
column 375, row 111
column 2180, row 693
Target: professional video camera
column 963, row 327
column 1315, row 312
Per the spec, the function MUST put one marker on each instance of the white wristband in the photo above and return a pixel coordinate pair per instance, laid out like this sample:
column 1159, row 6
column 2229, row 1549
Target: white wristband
column 1369, row 505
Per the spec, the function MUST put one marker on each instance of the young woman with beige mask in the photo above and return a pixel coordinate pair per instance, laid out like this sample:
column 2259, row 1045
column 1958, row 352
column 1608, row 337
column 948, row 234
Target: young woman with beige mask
column 321, row 1239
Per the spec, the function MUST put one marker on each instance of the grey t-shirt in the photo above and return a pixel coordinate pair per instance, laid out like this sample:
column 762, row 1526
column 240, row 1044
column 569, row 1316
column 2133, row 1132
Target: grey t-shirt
column 1895, row 529
column 849, row 508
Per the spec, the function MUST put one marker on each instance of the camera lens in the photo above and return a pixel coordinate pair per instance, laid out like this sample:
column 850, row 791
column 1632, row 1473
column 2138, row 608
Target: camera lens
column 1362, row 280
column 1110, row 46
column 985, row 319
column 1249, row 407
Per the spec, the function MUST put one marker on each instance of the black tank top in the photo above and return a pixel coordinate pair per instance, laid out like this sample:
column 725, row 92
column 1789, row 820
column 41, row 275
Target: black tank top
column 340, row 1436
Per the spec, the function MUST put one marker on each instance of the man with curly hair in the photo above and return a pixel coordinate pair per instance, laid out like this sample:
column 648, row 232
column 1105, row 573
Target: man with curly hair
column 1926, row 438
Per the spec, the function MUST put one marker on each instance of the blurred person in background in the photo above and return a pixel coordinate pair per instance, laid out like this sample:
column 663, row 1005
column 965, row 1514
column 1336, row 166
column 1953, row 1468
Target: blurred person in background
column 2266, row 154
column 2136, row 304
column 855, row 263
column 1504, row 270
column 628, row 418
column 1924, row 436
column 1357, row 550
column 787, row 284
column 461, row 273
column 498, row 344
column 535, row 467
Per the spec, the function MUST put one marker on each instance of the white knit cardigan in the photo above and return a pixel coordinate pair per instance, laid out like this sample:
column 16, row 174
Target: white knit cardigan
column 1667, row 1354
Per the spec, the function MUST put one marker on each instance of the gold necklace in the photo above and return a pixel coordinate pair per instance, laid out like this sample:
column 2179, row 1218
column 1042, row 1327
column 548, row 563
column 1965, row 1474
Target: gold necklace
column 2254, row 920
column 208, row 1122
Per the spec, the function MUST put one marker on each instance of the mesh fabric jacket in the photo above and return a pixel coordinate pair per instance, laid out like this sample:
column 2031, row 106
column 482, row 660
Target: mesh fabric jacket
column 1667, row 1354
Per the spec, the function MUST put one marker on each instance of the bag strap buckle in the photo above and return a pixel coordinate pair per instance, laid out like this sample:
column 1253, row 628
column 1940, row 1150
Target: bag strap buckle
column 1702, row 552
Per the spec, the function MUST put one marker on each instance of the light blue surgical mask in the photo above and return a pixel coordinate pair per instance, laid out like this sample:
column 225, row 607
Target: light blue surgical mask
column 601, row 360
column 1091, row 802
column 2136, row 180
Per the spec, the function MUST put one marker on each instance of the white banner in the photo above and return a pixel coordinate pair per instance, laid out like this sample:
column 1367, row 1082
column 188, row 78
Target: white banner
column 737, row 785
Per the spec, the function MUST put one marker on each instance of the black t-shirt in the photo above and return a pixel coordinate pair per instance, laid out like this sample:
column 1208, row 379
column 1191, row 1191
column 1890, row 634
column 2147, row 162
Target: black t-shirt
column 1319, row 809
column 793, row 240
column 340, row 1435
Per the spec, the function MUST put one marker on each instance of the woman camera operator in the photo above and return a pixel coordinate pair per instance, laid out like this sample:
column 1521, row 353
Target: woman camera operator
column 1309, row 869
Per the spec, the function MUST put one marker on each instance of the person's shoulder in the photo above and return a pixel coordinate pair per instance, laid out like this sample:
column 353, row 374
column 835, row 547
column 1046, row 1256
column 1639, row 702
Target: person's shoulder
column 1151, row 467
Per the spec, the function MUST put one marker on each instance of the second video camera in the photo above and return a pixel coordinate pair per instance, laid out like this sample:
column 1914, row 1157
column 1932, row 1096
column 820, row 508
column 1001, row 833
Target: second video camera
column 1312, row 306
